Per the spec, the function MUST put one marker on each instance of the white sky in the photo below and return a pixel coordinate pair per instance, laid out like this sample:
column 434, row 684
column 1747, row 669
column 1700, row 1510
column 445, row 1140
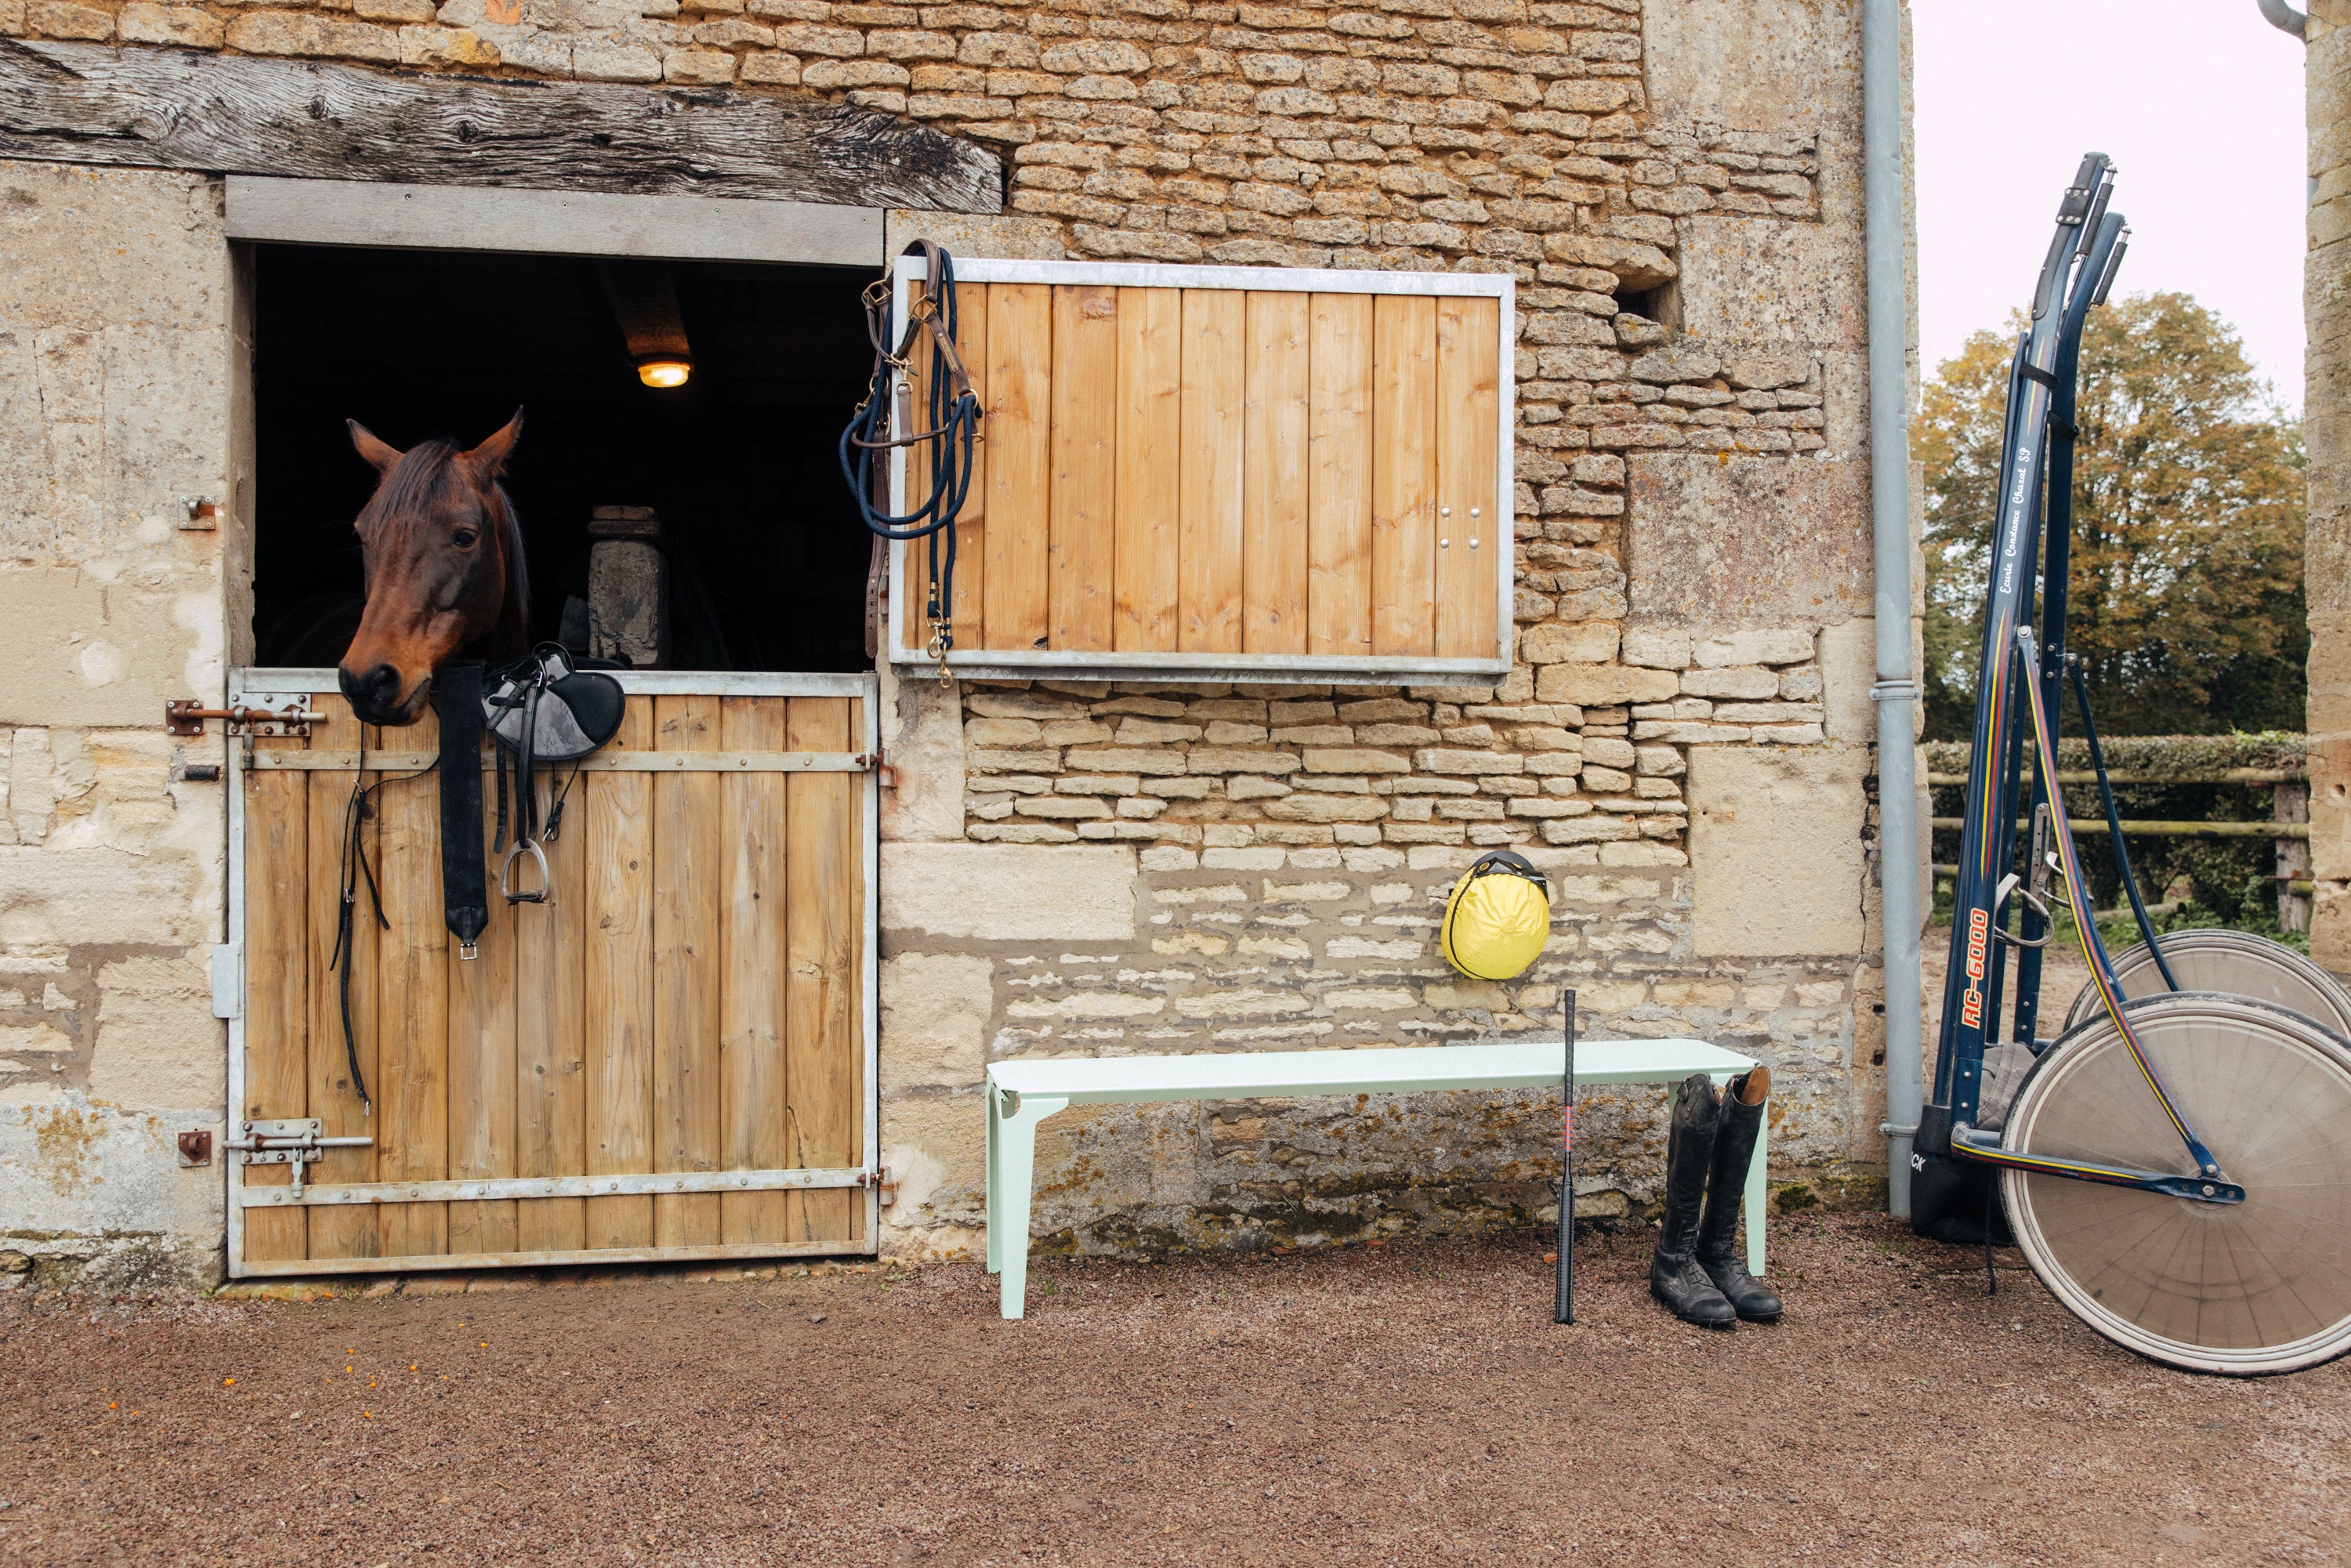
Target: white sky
column 2199, row 102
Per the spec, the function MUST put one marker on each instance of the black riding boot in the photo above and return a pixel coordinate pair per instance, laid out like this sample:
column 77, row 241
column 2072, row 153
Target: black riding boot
column 1717, row 1236
column 1675, row 1277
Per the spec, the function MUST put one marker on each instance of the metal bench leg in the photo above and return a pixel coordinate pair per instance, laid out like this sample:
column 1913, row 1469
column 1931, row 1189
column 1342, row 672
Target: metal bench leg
column 1016, row 1170
column 1758, row 1193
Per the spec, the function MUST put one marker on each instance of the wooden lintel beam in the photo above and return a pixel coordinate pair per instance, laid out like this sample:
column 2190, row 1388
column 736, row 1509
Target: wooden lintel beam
column 174, row 108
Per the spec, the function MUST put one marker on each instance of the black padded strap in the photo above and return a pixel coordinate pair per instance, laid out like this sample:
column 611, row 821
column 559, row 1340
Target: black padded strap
column 2032, row 373
column 465, row 889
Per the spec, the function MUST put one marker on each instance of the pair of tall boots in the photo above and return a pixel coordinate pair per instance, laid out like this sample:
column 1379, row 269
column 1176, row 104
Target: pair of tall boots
column 1697, row 1271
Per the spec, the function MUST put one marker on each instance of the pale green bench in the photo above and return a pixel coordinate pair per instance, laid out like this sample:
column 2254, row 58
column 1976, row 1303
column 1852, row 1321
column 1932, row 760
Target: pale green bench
column 1022, row 1093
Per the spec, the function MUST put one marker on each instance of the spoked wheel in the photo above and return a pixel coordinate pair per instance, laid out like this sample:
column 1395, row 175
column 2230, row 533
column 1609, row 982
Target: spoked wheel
column 2237, row 962
column 2263, row 1286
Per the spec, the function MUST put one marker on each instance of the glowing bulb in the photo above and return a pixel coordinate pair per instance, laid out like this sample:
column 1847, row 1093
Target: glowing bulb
column 663, row 372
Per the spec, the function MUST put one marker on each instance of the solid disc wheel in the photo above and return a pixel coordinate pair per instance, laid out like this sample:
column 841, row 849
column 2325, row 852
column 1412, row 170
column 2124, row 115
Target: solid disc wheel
column 2258, row 1286
column 2236, row 962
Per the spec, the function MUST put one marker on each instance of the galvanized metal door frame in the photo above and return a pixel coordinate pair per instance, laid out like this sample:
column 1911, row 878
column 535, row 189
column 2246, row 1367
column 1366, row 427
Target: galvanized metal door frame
column 274, row 687
column 1398, row 669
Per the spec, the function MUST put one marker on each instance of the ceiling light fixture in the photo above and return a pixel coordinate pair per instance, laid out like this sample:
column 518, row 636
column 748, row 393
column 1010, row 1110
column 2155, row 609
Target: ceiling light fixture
column 643, row 298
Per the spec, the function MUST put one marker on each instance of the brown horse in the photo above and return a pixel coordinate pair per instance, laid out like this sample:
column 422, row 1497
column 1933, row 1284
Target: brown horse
column 443, row 561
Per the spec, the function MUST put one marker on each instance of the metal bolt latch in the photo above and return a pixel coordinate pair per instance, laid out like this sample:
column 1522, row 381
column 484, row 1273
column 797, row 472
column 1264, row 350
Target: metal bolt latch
column 296, row 1141
column 186, row 716
column 196, row 1147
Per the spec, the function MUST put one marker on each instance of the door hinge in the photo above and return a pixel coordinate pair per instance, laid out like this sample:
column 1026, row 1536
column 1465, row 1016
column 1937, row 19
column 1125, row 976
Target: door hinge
column 228, row 980
column 186, row 715
column 297, row 1141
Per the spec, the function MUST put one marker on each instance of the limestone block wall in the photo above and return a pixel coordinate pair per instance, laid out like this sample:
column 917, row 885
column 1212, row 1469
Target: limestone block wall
column 2326, row 402
column 1684, row 745
column 120, row 385
column 1293, row 847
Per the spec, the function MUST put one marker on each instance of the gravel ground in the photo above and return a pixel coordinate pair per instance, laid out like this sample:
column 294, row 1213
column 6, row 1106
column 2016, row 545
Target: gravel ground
column 1404, row 1404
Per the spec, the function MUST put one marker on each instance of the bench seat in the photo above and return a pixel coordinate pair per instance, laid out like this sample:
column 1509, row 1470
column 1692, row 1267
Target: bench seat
column 1021, row 1093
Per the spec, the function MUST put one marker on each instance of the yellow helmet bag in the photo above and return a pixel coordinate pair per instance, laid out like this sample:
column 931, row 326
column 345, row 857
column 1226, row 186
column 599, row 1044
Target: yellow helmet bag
column 1496, row 917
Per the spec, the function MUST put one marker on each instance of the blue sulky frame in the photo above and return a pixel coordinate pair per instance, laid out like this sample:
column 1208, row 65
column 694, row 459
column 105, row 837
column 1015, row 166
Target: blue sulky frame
column 2019, row 683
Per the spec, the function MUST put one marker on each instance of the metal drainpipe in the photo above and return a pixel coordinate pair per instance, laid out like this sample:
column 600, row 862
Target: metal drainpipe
column 1889, row 484
column 2285, row 17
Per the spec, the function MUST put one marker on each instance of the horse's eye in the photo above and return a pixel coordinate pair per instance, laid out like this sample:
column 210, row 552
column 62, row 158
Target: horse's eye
column 463, row 538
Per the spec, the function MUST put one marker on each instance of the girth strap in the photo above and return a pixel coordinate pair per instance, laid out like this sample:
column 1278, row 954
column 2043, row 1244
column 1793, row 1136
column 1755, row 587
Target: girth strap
column 465, row 890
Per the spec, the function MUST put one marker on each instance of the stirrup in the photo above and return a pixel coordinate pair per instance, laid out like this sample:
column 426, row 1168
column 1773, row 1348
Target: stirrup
column 505, row 874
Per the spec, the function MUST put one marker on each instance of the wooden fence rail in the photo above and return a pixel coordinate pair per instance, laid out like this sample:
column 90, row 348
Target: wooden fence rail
column 2277, row 761
column 2092, row 827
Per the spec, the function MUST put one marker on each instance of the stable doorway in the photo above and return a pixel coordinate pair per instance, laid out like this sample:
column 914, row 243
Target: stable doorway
column 674, row 1057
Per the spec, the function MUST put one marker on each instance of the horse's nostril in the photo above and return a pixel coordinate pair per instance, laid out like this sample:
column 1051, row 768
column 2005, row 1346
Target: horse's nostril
column 378, row 687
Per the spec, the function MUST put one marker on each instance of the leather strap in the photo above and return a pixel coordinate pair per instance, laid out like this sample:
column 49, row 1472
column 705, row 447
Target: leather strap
column 465, row 889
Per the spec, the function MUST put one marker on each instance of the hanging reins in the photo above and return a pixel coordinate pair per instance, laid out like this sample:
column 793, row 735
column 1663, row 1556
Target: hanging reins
column 886, row 422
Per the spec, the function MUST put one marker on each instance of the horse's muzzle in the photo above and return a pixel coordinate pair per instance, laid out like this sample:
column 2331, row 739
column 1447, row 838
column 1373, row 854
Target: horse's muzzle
column 375, row 695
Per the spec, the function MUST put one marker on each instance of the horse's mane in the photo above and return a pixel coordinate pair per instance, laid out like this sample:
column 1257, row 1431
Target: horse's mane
column 421, row 479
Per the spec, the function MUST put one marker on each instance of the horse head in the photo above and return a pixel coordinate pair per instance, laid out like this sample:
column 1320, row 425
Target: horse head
column 443, row 560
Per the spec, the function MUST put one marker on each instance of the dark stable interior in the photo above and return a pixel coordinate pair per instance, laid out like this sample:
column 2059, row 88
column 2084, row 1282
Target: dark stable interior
column 768, row 558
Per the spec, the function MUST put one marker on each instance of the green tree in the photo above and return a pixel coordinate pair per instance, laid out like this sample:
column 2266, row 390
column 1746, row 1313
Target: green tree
column 2187, row 600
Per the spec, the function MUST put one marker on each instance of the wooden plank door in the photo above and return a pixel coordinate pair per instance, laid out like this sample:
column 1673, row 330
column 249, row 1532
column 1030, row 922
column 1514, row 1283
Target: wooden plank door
column 671, row 1058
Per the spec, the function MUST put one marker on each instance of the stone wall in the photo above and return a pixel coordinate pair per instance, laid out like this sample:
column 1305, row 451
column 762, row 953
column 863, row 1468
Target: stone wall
column 120, row 382
column 1683, row 745
column 1293, row 847
column 2326, row 550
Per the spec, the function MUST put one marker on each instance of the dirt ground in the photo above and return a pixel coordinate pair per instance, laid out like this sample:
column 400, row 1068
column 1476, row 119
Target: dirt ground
column 1406, row 1404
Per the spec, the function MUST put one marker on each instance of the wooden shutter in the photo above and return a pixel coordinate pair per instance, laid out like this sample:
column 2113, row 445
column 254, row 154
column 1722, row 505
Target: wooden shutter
column 1235, row 469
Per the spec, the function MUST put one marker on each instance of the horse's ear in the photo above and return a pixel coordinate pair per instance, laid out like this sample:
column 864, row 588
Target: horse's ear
column 385, row 459
column 489, row 459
